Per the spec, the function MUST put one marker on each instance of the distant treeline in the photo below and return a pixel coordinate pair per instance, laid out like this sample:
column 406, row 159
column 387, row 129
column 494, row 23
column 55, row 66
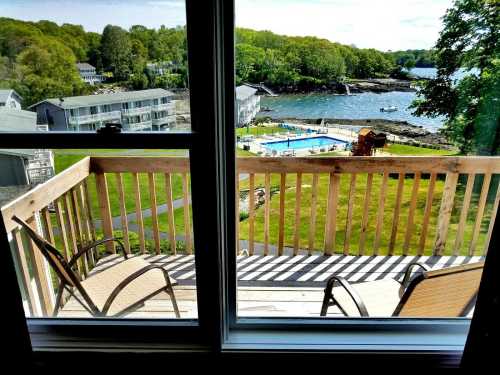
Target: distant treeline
column 38, row 59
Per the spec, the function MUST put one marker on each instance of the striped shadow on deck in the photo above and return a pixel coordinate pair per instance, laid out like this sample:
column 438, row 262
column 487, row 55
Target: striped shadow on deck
column 301, row 270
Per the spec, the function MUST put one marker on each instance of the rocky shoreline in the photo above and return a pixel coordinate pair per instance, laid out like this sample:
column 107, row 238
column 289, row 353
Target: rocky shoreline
column 398, row 128
column 353, row 86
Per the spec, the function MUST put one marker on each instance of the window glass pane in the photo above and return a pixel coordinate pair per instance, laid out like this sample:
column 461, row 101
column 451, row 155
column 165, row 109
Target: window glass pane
column 111, row 59
column 139, row 197
column 320, row 84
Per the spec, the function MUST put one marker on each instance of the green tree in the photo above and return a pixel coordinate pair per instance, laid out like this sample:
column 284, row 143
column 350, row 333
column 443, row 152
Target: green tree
column 469, row 40
column 116, row 52
column 47, row 69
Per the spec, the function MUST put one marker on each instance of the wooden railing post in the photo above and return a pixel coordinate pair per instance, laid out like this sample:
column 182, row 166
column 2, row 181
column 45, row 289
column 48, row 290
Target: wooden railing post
column 104, row 206
column 445, row 210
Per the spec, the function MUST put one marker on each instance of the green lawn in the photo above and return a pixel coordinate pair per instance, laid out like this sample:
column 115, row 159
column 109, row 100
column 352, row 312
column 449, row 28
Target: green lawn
column 398, row 149
column 260, row 130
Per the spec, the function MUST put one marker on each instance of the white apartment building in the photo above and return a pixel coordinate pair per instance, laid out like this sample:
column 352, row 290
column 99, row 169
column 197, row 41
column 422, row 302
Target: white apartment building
column 142, row 110
column 247, row 104
column 10, row 99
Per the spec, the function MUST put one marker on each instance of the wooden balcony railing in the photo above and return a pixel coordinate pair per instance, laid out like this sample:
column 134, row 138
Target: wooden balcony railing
column 353, row 206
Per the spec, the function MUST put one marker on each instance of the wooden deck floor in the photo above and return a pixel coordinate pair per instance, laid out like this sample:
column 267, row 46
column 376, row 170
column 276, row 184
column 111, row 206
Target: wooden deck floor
column 270, row 285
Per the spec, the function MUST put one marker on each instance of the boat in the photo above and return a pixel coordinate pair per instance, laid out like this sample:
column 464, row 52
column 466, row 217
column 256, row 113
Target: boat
column 389, row 109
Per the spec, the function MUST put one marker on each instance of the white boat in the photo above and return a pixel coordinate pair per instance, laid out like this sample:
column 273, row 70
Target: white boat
column 389, row 109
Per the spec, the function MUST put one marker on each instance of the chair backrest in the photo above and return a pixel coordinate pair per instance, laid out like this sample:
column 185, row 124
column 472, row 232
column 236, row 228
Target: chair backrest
column 449, row 292
column 53, row 256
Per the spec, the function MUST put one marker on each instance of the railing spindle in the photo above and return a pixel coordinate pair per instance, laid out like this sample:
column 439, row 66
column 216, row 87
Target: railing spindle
column 138, row 212
column 281, row 224
column 251, row 214
column 105, row 209
column 62, row 228
column 71, row 230
column 380, row 213
column 493, row 215
column 463, row 215
column 170, row 213
column 123, row 211
column 445, row 210
column 427, row 214
column 366, row 208
column 78, row 225
column 331, row 213
column 350, row 206
column 187, row 220
column 267, row 211
column 21, row 258
column 40, row 273
column 480, row 212
column 314, row 202
column 298, row 196
column 411, row 213
column 154, row 211
column 397, row 209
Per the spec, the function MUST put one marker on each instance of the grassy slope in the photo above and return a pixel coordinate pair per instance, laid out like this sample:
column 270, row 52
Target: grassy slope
column 397, row 149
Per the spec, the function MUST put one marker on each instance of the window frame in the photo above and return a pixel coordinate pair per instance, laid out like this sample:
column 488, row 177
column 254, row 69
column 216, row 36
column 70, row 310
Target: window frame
column 210, row 35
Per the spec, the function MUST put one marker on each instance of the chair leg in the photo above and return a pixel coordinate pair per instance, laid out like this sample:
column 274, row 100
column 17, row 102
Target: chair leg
column 171, row 294
column 327, row 297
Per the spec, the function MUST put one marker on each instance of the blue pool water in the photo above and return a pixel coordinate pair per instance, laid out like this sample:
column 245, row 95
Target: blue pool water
column 305, row 143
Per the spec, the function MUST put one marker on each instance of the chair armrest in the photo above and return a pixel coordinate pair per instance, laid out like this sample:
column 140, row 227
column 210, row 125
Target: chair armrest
column 93, row 245
column 131, row 278
column 356, row 298
column 409, row 270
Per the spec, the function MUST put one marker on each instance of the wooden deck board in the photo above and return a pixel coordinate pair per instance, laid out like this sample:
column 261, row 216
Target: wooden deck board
column 270, row 285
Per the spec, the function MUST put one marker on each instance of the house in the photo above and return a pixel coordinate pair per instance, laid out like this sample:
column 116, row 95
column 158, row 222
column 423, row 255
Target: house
column 16, row 119
column 136, row 110
column 89, row 74
column 22, row 167
column 247, row 104
column 10, row 99
column 159, row 68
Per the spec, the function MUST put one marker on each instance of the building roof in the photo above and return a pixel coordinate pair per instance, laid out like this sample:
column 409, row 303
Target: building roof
column 366, row 131
column 84, row 66
column 117, row 97
column 6, row 93
column 12, row 119
column 244, row 92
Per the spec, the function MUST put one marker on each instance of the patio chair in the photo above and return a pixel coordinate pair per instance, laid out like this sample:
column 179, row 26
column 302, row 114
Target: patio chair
column 448, row 292
column 114, row 291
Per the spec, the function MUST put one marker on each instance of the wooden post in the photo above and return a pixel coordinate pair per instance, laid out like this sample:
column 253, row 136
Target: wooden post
column 445, row 210
column 123, row 211
column 427, row 214
column 251, row 214
column 380, row 213
column 138, row 212
column 267, row 211
column 366, row 208
column 314, row 202
column 395, row 217
column 350, row 206
column 170, row 213
column 187, row 220
column 411, row 213
column 154, row 211
column 281, row 224
column 104, row 206
column 298, row 196
column 463, row 215
column 331, row 214
column 480, row 212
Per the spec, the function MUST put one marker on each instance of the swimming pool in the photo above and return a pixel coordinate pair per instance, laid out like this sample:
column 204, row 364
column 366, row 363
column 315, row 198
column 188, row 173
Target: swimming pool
column 303, row 143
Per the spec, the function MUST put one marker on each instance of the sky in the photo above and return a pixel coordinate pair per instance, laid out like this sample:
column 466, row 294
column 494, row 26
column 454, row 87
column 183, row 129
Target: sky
column 381, row 24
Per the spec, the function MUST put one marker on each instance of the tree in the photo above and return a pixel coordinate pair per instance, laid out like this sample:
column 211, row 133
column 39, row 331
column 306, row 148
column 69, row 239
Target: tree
column 469, row 40
column 116, row 52
column 47, row 69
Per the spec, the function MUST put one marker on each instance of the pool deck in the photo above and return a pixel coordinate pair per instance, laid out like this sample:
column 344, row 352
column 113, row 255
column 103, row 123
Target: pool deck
column 256, row 145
